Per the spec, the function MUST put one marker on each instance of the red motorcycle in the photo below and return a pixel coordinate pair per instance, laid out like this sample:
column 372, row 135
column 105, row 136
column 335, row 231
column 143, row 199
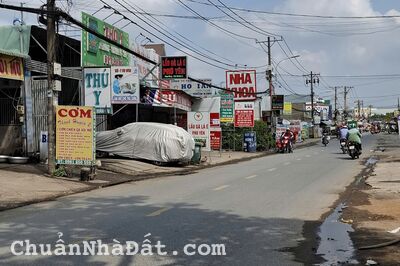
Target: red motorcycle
column 283, row 145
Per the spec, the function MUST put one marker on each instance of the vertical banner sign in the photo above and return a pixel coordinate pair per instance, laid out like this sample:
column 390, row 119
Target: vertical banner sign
column 242, row 83
column 287, row 108
column 244, row 114
column 173, row 67
column 75, row 135
column 11, row 67
column 199, row 127
column 125, row 85
column 97, row 52
column 97, row 86
column 214, row 120
column 227, row 107
column 277, row 102
column 215, row 138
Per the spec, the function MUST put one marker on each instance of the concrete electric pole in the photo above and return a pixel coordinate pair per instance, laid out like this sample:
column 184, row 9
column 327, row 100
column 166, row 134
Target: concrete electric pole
column 314, row 79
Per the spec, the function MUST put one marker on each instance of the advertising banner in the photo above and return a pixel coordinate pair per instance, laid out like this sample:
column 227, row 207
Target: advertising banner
column 192, row 88
column 199, row 128
column 97, row 52
column 227, row 107
column 11, row 67
column 244, row 114
column 279, row 131
column 97, row 86
column 214, row 120
column 287, row 108
column 242, row 83
column 173, row 67
column 167, row 98
column 144, row 67
column 277, row 102
column 75, row 135
column 215, row 138
column 125, row 85
column 295, row 127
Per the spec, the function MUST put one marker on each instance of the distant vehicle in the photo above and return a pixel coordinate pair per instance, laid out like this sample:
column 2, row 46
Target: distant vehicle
column 343, row 145
column 325, row 139
column 155, row 142
column 353, row 150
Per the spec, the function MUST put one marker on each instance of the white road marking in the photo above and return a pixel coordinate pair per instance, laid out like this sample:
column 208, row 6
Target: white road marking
column 298, row 159
column 272, row 169
column 250, row 177
column 308, row 156
column 221, row 187
column 286, row 163
column 158, row 212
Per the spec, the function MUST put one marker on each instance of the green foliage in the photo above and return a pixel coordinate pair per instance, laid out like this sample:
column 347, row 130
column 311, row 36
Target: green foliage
column 60, row 171
column 234, row 137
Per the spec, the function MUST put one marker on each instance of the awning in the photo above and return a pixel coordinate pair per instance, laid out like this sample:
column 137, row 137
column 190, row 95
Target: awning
column 10, row 41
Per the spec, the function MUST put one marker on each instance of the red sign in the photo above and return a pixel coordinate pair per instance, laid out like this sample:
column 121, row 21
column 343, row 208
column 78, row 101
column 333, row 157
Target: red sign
column 215, row 138
column 244, row 114
column 214, row 120
column 173, row 67
column 242, row 83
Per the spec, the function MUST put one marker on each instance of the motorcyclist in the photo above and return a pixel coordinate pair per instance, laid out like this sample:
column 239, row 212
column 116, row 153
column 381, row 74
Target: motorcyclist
column 354, row 136
column 290, row 135
column 343, row 132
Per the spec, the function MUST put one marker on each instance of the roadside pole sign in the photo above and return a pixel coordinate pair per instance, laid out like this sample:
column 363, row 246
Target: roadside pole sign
column 125, row 85
column 75, row 135
column 97, row 86
column 199, row 127
column 215, row 138
column 173, row 67
column 244, row 114
column 242, row 83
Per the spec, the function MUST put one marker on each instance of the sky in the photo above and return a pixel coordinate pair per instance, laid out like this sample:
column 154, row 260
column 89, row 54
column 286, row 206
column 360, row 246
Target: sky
column 362, row 53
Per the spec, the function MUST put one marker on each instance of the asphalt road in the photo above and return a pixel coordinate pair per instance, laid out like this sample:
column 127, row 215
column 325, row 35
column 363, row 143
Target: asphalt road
column 256, row 209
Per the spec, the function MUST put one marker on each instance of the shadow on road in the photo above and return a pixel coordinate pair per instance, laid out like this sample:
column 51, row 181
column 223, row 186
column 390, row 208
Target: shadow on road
column 248, row 240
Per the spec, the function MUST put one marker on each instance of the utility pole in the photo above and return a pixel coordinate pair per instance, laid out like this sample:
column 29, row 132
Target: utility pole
column 314, row 78
column 358, row 109
column 398, row 104
column 52, row 100
column 346, row 91
column 362, row 109
column 336, row 100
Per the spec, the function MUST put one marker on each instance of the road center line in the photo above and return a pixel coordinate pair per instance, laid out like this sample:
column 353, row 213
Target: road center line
column 250, row 177
column 221, row 187
column 158, row 212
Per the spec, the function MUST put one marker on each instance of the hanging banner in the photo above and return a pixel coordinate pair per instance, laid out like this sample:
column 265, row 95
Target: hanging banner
column 11, row 67
column 287, row 108
column 242, row 83
column 227, row 107
column 199, row 127
column 173, row 67
column 125, row 85
column 192, row 88
column 97, row 86
column 244, row 114
column 75, row 135
column 97, row 52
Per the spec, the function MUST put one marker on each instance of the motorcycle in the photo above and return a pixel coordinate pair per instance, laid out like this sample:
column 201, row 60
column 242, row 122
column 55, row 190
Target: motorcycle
column 353, row 150
column 325, row 139
column 283, row 145
column 343, row 145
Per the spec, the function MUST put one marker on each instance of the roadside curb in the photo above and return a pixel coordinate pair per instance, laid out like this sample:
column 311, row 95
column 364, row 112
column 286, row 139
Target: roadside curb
column 140, row 177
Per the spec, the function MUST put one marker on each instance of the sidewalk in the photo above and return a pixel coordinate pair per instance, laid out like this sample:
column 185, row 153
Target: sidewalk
column 26, row 184
column 375, row 209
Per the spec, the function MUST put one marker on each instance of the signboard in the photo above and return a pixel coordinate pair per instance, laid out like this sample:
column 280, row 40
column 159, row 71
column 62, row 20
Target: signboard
column 227, row 107
column 199, row 128
column 144, row 67
column 173, row 67
column 11, row 67
column 167, row 98
column 125, row 85
column 214, row 120
column 279, row 131
column 242, row 83
column 97, row 86
column 75, row 135
column 192, row 88
column 287, row 108
column 295, row 127
column 44, row 146
column 215, row 138
column 277, row 102
column 97, row 52
column 244, row 114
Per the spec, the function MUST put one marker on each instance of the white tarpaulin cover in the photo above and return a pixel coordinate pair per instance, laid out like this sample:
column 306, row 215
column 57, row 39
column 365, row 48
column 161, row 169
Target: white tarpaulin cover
column 150, row 141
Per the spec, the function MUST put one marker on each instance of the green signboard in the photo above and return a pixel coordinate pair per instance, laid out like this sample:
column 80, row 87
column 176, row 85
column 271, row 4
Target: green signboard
column 227, row 107
column 97, row 52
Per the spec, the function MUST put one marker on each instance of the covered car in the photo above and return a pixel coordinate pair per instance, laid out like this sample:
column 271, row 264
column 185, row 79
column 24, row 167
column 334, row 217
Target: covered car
column 150, row 141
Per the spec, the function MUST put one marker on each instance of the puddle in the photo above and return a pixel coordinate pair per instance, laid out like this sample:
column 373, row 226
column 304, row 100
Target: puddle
column 371, row 161
column 335, row 244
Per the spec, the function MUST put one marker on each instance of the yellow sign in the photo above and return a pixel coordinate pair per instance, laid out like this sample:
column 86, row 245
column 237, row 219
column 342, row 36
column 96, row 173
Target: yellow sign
column 75, row 135
column 287, row 108
column 11, row 67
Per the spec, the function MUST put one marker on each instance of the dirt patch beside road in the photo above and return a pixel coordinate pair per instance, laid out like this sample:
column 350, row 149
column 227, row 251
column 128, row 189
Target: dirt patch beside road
column 374, row 207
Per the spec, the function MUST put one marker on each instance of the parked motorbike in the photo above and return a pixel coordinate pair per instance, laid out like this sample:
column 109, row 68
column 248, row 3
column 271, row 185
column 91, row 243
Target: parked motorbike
column 325, row 139
column 283, row 145
column 353, row 150
column 343, row 145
